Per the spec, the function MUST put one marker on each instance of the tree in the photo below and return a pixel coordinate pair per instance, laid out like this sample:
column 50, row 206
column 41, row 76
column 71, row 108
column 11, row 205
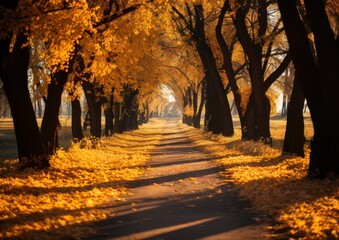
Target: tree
column 186, row 78
column 294, row 135
column 57, row 31
column 252, row 39
column 192, row 26
column 318, row 78
column 13, row 74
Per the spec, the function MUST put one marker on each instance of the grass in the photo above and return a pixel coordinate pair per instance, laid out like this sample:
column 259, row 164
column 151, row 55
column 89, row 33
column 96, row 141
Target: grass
column 8, row 149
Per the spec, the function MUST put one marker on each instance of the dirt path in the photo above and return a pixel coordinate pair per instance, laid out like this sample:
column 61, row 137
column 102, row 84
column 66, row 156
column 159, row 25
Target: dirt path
column 181, row 197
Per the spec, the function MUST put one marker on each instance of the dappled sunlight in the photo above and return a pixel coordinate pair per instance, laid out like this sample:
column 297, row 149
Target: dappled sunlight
column 319, row 217
column 180, row 197
column 107, row 110
column 163, row 231
column 62, row 201
column 277, row 184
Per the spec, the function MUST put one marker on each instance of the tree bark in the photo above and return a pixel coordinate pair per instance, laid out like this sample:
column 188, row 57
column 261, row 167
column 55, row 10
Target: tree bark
column 250, row 125
column 117, row 118
column 128, row 110
column 254, row 52
column 187, row 99
column 294, row 136
column 49, row 126
column 228, row 66
column 190, row 105
column 284, row 105
column 185, row 105
column 76, row 120
column 197, row 115
column 39, row 108
column 13, row 74
column 219, row 115
column 141, row 116
column 94, row 107
column 325, row 151
column 109, row 116
column 220, row 118
column 306, row 71
column 147, row 113
column 132, row 122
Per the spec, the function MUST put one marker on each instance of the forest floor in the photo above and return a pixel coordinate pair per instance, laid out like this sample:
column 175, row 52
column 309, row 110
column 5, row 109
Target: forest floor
column 181, row 196
column 167, row 181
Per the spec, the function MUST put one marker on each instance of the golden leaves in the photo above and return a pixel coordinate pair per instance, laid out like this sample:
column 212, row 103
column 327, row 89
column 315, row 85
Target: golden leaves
column 189, row 111
column 58, row 30
column 61, row 202
column 276, row 184
column 319, row 218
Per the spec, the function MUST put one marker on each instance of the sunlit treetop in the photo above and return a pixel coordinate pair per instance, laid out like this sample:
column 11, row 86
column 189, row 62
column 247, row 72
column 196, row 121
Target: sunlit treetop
column 113, row 38
column 104, row 33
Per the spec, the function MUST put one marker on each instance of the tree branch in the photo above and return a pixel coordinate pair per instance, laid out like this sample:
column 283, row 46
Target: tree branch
column 278, row 71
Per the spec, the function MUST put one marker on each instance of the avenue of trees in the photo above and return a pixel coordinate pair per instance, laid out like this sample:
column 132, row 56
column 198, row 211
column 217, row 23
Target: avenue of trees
column 214, row 56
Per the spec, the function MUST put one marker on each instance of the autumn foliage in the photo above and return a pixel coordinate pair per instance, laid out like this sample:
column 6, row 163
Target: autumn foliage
column 122, row 61
column 63, row 201
column 277, row 185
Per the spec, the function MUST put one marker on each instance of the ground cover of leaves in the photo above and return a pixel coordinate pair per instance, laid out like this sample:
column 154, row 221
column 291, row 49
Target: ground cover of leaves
column 276, row 184
column 61, row 202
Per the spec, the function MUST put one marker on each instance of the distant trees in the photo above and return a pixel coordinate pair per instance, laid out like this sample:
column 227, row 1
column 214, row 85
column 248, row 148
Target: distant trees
column 190, row 21
column 186, row 78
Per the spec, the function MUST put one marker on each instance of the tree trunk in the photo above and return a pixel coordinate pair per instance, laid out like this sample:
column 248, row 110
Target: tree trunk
column 49, row 126
column 306, row 71
column 117, row 118
column 190, row 105
column 109, row 116
column 13, row 74
column 207, row 107
column 254, row 52
column 147, row 113
column 219, row 114
column 250, row 125
column 76, row 120
column 195, row 108
column 284, row 104
column 127, row 110
column 185, row 105
column 94, row 107
column 141, row 116
column 294, row 136
column 325, row 154
column 39, row 108
column 228, row 66
column 132, row 123
column 197, row 116
column 220, row 118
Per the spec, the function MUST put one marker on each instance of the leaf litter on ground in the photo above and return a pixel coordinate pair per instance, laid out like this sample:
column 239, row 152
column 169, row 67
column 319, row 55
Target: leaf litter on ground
column 277, row 185
column 63, row 201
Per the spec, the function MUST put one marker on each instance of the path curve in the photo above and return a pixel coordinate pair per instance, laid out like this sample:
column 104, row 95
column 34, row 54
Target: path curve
column 181, row 196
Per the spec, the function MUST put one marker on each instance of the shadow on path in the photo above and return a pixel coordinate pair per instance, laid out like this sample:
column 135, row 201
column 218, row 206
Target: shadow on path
column 181, row 197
